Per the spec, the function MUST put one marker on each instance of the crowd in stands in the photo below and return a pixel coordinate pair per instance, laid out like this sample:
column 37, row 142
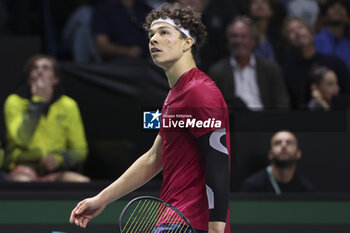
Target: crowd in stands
column 262, row 54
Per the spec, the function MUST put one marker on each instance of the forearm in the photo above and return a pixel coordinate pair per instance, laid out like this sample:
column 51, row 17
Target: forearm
column 30, row 122
column 141, row 171
column 71, row 158
column 109, row 49
column 217, row 174
column 217, row 227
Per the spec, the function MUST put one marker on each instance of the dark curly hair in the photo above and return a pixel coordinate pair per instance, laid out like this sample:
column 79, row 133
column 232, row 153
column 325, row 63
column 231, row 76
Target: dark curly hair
column 184, row 16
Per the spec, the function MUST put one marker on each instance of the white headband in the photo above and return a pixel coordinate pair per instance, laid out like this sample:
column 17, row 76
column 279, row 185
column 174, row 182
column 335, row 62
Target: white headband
column 172, row 23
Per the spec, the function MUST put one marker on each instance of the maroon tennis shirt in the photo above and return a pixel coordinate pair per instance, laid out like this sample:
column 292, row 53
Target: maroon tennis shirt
column 194, row 107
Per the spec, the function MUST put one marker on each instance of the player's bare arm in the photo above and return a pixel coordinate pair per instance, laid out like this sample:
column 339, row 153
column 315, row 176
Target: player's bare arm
column 141, row 171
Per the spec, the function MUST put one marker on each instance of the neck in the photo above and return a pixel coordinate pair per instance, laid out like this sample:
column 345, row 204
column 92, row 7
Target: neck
column 174, row 71
column 242, row 61
column 338, row 30
column 308, row 51
column 283, row 175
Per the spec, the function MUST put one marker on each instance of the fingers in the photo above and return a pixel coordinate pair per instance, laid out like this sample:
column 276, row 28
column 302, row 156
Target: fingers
column 81, row 221
column 74, row 216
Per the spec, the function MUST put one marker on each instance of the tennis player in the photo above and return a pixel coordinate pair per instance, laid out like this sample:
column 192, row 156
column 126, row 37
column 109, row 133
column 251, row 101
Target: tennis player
column 192, row 148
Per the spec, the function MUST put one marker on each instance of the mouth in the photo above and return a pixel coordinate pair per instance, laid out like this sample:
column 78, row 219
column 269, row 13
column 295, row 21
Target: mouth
column 155, row 50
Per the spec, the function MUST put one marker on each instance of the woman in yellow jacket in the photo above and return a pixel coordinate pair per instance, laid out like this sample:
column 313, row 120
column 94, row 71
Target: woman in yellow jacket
column 44, row 129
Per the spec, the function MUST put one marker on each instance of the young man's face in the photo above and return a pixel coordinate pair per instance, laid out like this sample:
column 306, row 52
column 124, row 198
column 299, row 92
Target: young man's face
column 165, row 44
column 284, row 147
column 42, row 72
column 328, row 87
column 337, row 14
column 260, row 9
column 297, row 34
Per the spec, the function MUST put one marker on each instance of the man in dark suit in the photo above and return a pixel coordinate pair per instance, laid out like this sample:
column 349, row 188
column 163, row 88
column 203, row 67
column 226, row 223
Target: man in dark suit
column 256, row 81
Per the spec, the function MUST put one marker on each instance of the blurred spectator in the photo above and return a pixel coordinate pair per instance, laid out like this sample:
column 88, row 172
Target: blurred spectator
column 117, row 28
column 44, row 130
column 332, row 40
column 301, row 57
column 2, row 173
column 281, row 175
column 258, row 82
column 216, row 15
column 307, row 10
column 261, row 13
column 77, row 35
column 324, row 86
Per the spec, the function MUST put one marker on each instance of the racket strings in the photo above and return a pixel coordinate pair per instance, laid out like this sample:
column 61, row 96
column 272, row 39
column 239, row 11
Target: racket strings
column 149, row 216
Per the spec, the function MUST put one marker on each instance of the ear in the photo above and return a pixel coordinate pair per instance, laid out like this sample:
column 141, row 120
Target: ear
column 55, row 81
column 188, row 42
column 270, row 155
column 314, row 87
column 299, row 153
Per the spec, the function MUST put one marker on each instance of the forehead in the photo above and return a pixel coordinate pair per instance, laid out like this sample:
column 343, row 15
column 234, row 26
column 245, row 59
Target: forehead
column 42, row 61
column 295, row 23
column 283, row 136
column 161, row 25
column 239, row 27
column 337, row 5
column 260, row 1
column 330, row 75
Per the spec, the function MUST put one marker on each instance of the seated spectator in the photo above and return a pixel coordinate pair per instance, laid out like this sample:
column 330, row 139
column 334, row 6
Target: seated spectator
column 258, row 82
column 216, row 15
column 332, row 40
column 2, row 173
column 324, row 86
column 117, row 27
column 44, row 129
column 301, row 57
column 281, row 175
column 77, row 36
column 261, row 13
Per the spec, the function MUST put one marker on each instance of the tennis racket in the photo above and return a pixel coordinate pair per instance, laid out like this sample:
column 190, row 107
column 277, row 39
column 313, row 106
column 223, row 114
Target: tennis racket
column 148, row 214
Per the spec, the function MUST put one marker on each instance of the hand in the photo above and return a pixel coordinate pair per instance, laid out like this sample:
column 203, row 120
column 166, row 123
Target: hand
column 49, row 163
column 86, row 210
column 217, row 227
column 134, row 51
column 316, row 94
column 43, row 88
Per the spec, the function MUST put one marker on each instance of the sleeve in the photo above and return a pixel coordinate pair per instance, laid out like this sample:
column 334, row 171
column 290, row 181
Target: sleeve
column 217, row 173
column 22, row 119
column 207, row 108
column 77, row 149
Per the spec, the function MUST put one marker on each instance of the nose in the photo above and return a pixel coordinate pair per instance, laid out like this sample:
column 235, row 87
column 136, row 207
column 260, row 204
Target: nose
column 284, row 144
column 153, row 40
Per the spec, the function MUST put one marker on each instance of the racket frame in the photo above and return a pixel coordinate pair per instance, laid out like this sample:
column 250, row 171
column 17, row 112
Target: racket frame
column 154, row 199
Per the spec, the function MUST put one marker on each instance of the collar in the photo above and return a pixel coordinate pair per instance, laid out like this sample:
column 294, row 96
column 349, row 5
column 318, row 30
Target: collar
column 252, row 61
